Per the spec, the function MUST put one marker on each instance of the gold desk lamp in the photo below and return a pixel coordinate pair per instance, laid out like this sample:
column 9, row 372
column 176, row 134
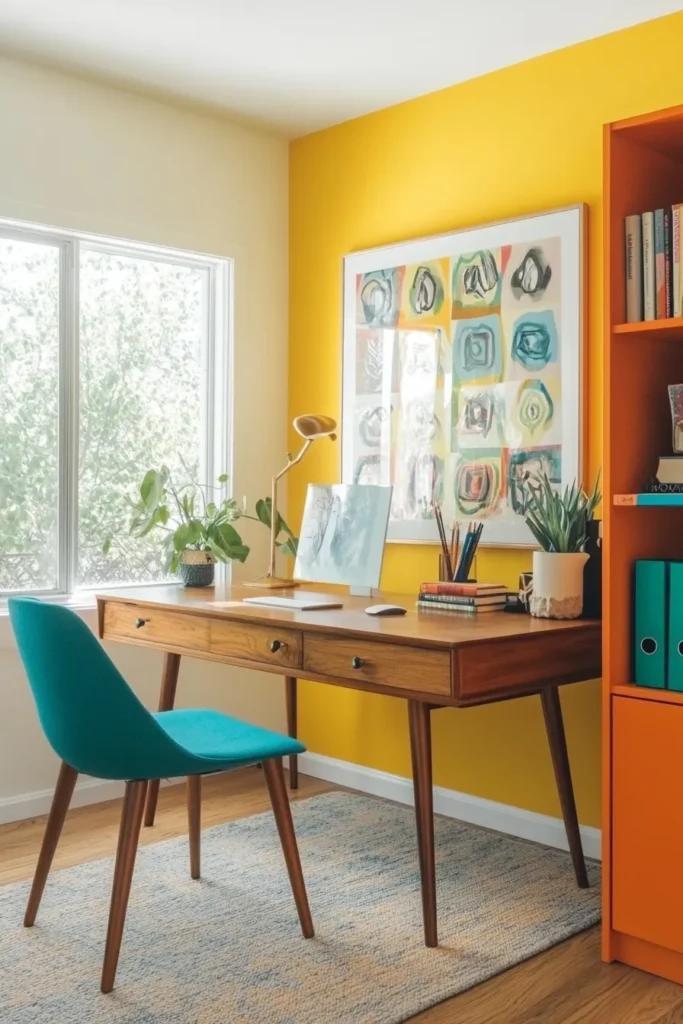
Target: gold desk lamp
column 311, row 428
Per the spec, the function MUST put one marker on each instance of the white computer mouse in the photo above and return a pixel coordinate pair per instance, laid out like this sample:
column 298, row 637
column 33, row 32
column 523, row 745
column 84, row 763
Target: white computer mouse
column 386, row 609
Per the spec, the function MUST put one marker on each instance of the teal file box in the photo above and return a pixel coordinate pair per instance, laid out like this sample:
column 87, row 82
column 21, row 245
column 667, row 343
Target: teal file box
column 651, row 621
column 675, row 659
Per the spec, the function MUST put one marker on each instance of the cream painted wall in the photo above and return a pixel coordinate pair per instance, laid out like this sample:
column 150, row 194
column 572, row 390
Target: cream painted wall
column 81, row 155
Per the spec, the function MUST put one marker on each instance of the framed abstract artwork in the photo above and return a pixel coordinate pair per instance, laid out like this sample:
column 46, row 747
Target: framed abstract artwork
column 462, row 372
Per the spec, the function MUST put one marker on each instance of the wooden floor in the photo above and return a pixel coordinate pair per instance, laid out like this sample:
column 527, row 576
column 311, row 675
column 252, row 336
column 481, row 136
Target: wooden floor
column 566, row 985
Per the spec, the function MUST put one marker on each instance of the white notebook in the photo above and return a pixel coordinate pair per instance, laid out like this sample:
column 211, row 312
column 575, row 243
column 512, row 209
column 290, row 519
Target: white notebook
column 301, row 603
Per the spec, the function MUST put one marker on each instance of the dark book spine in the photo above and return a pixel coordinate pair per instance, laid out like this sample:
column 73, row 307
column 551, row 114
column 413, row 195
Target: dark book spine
column 660, row 266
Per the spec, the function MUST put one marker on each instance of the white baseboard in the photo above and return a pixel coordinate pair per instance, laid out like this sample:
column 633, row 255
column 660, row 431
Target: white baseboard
column 515, row 821
column 540, row 828
column 32, row 805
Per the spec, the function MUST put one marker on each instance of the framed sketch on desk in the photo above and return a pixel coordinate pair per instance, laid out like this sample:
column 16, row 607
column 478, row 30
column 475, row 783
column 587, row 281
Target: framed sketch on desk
column 462, row 371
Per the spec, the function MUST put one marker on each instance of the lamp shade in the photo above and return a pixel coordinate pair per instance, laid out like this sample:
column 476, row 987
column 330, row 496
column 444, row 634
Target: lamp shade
column 312, row 427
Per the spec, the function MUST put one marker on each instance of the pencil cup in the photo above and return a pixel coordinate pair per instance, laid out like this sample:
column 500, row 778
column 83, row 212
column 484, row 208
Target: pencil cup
column 443, row 572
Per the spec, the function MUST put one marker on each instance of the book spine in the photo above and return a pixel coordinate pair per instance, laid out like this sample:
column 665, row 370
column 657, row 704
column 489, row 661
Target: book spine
column 660, row 266
column 634, row 269
column 649, row 298
column 459, row 589
column 676, row 245
column 668, row 262
column 463, row 602
column 454, row 609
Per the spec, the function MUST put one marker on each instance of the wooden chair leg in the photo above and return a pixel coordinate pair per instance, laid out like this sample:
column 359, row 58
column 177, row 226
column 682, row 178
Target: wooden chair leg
column 194, row 816
column 552, row 713
column 129, row 834
column 290, row 691
column 275, row 779
column 421, row 751
column 169, row 684
column 55, row 822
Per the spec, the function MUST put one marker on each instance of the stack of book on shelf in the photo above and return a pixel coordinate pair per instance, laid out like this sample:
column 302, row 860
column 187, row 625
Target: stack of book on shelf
column 467, row 598
column 653, row 265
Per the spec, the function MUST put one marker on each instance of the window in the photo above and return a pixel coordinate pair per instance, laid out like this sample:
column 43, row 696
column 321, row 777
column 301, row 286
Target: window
column 113, row 360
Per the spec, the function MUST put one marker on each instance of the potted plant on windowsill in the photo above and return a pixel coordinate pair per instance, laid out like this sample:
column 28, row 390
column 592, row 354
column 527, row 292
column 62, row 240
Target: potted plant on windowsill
column 197, row 531
column 559, row 522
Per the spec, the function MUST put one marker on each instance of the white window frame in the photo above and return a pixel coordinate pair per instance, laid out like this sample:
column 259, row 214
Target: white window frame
column 217, row 359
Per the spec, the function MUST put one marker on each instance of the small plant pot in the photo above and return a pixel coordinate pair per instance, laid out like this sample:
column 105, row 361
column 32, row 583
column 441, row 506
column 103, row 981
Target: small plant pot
column 557, row 585
column 196, row 568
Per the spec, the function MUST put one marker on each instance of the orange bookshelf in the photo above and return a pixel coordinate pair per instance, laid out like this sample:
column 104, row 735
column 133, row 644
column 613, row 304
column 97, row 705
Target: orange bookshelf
column 656, row 329
column 642, row 728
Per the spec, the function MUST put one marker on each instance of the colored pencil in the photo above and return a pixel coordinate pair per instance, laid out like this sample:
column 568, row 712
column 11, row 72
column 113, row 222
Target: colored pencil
column 442, row 536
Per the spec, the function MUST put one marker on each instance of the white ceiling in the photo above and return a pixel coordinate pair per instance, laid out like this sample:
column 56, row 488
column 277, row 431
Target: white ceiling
column 300, row 65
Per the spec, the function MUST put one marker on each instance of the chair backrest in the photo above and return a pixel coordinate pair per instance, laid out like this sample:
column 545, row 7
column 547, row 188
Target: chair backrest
column 88, row 712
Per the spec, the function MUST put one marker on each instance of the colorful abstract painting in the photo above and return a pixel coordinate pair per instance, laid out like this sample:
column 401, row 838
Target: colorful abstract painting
column 462, row 370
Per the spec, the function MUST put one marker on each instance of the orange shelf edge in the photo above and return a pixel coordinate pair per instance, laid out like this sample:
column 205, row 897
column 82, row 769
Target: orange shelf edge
column 645, row 693
column 671, row 327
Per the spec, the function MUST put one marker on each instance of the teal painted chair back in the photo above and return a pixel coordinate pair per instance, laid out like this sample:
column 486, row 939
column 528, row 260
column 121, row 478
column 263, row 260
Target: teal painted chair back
column 88, row 712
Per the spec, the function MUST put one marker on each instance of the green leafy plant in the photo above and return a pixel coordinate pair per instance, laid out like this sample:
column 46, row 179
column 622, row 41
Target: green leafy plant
column 284, row 538
column 559, row 522
column 190, row 521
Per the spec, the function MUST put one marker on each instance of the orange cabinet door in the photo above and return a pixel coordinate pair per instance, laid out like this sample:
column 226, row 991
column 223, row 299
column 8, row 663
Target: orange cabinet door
column 647, row 821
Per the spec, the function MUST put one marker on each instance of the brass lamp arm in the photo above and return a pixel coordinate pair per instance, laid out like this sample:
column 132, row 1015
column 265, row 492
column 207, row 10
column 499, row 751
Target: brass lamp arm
column 273, row 497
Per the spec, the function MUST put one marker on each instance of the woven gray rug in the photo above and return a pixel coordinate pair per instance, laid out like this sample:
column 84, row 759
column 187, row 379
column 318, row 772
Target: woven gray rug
column 228, row 949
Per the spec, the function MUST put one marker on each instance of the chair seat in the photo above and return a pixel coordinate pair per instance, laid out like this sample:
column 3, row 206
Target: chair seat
column 227, row 741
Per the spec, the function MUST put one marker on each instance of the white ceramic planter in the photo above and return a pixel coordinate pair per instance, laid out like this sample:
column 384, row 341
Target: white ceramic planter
column 557, row 585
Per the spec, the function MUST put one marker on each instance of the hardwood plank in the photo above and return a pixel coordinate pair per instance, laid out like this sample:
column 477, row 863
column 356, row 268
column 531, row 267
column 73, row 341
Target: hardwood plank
column 565, row 985
column 92, row 832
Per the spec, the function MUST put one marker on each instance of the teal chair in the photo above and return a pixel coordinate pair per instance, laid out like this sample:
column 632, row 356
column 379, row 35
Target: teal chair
column 96, row 725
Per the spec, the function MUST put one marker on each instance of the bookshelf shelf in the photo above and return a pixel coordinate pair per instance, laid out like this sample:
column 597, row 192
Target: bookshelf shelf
column 640, row 500
column 643, row 693
column 662, row 329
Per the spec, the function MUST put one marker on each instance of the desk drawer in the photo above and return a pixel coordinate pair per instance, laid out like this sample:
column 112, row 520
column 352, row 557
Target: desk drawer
column 395, row 665
column 256, row 643
column 157, row 626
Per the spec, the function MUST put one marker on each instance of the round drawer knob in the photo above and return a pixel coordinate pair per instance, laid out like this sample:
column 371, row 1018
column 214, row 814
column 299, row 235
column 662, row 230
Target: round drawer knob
column 357, row 662
column 277, row 645
column 139, row 623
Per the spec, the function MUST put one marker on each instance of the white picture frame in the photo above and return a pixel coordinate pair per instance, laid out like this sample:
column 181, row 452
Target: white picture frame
column 418, row 412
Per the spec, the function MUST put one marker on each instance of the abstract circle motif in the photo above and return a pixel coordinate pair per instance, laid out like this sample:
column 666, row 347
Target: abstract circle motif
column 421, row 422
column 478, row 348
column 531, row 345
column 426, row 292
column 535, row 407
column 476, row 487
column 376, row 296
column 481, row 277
column 532, row 276
column 477, row 414
column 372, row 426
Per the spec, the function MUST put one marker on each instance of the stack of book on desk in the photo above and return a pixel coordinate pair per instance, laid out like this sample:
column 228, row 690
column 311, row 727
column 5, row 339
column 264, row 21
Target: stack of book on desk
column 468, row 598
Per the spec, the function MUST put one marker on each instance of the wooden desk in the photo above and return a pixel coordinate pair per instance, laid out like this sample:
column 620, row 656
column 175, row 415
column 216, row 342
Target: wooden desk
column 430, row 660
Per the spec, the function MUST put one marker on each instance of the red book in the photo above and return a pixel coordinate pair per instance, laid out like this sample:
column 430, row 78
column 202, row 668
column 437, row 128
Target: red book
column 464, row 589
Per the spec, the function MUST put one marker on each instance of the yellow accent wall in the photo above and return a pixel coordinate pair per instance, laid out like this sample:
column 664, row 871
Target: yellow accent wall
column 514, row 142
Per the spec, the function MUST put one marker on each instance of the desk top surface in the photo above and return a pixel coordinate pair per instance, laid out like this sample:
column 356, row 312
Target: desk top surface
column 431, row 629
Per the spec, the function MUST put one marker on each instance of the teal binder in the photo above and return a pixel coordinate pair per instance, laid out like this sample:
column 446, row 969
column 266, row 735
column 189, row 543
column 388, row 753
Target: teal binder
column 651, row 620
column 675, row 658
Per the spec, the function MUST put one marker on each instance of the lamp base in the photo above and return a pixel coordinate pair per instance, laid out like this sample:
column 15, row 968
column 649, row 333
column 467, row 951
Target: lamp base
column 272, row 583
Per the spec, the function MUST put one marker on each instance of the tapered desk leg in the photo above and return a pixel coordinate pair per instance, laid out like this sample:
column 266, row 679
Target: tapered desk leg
column 552, row 712
column 290, row 690
column 421, row 750
column 169, row 683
